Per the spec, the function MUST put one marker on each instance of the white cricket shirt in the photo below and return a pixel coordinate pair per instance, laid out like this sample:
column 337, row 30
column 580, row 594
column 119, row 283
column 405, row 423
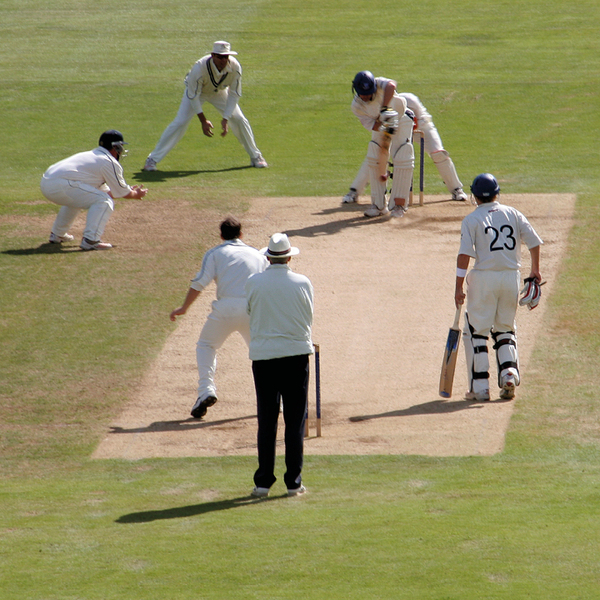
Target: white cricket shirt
column 94, row 167
column 205, row 80
column 229, row 264
column 492, row 234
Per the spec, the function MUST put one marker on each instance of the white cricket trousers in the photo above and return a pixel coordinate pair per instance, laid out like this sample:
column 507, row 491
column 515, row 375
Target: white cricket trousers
column 227, row 315
column 492, row 300
column 238, row 124
column 73, row 197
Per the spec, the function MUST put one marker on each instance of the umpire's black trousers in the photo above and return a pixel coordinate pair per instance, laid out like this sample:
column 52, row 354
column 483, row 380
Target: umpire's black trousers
column 287, row 379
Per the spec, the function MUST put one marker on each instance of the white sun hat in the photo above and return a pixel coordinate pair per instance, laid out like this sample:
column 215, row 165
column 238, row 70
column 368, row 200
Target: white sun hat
column 223, row 48
column 279, row 246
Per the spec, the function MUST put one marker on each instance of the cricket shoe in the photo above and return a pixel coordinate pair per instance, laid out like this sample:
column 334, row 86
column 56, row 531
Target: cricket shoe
column 297, row 491
column 87, row 244
column 350, row 197
column 398, row 211
column 199, row 409
column 458, row 194
column 260, row 492
column 259, row 162
column 508, row 387
column 149, row 165
column 374, row 211
column 59, row 239
column 482, row 396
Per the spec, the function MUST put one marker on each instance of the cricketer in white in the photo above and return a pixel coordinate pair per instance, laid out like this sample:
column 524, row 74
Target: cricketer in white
column 229, row 265
column 372, row 97
column 492, row 234
column 433, row 146
column 217, row 79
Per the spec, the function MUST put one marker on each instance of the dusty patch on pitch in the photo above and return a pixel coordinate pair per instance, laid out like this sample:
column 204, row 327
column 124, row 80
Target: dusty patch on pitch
column 384, row 301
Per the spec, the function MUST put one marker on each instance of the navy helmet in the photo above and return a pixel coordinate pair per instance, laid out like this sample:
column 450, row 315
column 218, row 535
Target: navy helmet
column 113, row 140
column 364, row 83
column 485, row 187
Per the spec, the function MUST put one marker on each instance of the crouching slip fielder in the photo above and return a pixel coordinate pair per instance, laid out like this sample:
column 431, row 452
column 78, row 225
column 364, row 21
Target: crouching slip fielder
column 88, row 180
column 229, row 264
column 433, row 146
column 217, row 79
column 372, row 101
column 492, row 235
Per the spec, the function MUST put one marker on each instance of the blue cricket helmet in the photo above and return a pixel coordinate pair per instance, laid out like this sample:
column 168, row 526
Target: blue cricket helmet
column 364, row 83
column 485, row 187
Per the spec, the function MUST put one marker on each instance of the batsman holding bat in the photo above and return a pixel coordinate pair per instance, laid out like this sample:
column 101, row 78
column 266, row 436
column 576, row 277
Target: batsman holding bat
column 385, row 113
column 492, row 234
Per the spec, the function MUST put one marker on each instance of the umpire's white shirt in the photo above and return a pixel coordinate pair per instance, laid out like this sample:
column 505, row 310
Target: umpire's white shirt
column 492, row 235
column 229, row 264
column 281, row 305
column 95, row 167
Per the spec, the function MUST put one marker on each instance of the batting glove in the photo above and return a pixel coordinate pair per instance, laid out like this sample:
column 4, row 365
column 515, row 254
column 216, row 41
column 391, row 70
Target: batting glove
column 531, row 293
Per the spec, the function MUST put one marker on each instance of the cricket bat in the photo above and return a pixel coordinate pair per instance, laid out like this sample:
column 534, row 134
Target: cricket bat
column 384, row 153
column 450, row 355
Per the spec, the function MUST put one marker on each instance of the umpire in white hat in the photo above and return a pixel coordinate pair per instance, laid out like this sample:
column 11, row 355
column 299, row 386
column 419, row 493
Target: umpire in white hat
column 281, row 306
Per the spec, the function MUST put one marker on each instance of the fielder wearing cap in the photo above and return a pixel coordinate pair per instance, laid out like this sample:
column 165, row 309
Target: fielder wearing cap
column 217, row 79
column 281, row 305
column 492, row 234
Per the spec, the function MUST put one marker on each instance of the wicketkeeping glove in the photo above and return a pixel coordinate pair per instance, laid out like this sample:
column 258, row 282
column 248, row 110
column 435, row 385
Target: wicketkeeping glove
column 531, row 293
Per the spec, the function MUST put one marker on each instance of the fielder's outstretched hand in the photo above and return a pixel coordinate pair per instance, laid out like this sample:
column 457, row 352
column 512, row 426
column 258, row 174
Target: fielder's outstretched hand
column 207, row 128
column 224, row 127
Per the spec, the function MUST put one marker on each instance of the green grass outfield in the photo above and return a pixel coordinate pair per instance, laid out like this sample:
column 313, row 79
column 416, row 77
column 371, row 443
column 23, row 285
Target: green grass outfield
column 514, row 89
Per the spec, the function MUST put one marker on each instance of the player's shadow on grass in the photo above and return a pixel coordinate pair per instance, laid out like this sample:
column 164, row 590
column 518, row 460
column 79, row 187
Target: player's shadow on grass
column 435, row 407
column 43, row 249
column 193, row 510
column 183, row 425
column 150, row 176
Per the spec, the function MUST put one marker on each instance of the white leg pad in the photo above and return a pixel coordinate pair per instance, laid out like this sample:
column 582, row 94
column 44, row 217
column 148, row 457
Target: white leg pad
column 477, row 359
column 403, row 159
column 507, row 358
column 446, row 169
column 378, row 187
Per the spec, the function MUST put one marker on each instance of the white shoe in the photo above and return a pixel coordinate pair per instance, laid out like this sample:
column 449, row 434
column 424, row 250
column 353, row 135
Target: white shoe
column 59, row 239
column 297, row 491
column 259, row 162
column 483, row 396
column 398, row 211
column 350, row 197
column 373, row 211
column 91, row 245
column 260, row 492
column 150, row 165
column 458, row 194
column 508, row 387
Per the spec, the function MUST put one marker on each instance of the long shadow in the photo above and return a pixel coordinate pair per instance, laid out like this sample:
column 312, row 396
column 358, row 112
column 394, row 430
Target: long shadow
column 185, row 425
column 193, row 510
column 150, row 176
column 46, row 248
column 357, row 219
column 435, row 407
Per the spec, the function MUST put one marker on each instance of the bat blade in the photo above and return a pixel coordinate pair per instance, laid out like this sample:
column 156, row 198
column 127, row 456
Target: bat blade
column 450, row 356
column 384, row 153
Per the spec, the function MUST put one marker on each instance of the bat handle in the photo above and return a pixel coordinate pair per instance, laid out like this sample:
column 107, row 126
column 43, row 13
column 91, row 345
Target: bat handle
column 457, row 317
